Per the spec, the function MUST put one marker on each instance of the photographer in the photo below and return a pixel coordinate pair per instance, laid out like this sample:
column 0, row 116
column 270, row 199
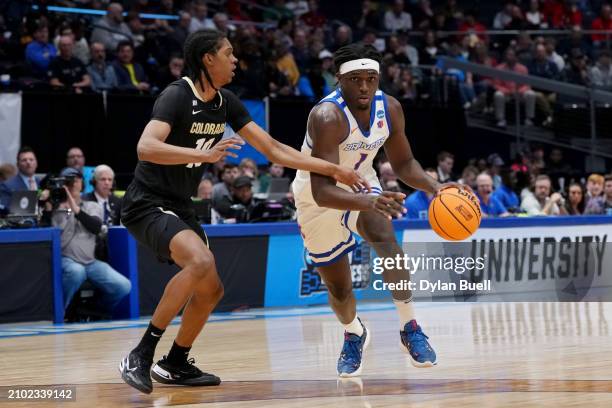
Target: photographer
column 80, row 222
column 240, row 203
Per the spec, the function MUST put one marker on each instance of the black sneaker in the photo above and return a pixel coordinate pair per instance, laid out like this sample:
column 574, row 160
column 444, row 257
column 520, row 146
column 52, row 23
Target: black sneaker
column 136, row 371
column 184, row 374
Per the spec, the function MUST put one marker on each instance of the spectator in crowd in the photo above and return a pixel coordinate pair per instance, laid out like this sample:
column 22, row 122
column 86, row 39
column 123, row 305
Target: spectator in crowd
column 505, row 17
column 396, row 19
column 130, row 74
column 344, row 36
column 417, row 203
column 472, row 28
column 495, row 164
column 504, row 193
column 524, row 48
column 221, row 190
column 601, row 73
column 172, row 72
column 102, row 75
column 66, row 71
column 25, row 178
column 594, row 188
column 534, row 17
column 576, row 39
column 300, row 51
column 39, row 53
column 221, row 22
column 576, row 72
column 542, row 67
column 603, row 204
column 463, row 80
column 200, row 19
column 297, row 7
column 286, row 64
column 180, row 31
column 369, row 17
column 274, row 171
column 553, row 56
column 314, row 18
column 423, row 15
column 110, row 30
column 430, row 51
column 241, row 194
column 76, row 159
column 7, row 171
column 205, row 189
column 505, row 90
column 401, row 52
column 541, row 201
column 386, row 175
column 446, row 161
column 575, row 202
column 103, row 180
column 277, row 11
column 490, row 206
column 558, row 169
column 248, row 168
column 80, row 48
column 603, row 22
column 468, row 176
column 327, row 65
column 80, row 222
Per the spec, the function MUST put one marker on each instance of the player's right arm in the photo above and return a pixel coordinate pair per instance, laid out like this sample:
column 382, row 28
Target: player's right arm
column 327, row 128
column 152, row 147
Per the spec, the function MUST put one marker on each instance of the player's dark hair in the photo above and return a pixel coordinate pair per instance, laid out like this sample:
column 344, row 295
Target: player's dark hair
column 24, row 149
column 355, row 51
column 196, row 45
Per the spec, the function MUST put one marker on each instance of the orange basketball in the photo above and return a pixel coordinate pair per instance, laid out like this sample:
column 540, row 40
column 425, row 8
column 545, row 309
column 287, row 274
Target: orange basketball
column 454, row 214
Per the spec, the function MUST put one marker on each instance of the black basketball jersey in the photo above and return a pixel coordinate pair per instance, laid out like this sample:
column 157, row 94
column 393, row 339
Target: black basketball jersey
column 194, row 123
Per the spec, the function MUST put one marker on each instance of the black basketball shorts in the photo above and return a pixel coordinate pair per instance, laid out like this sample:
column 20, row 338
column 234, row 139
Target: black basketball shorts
column 156, row 228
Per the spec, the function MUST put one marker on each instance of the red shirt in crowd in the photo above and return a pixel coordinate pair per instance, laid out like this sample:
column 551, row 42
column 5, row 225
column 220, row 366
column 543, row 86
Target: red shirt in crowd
column 601, row 24
column 509, row 87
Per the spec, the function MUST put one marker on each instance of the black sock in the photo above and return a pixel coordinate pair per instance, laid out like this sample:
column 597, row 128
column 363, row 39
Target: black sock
column 149, row 341
column 178, row 355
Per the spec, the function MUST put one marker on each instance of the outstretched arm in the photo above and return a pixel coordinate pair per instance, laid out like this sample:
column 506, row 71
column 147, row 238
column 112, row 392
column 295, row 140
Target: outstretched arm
column 280, row 153
column 152, row 147
column 398, row 150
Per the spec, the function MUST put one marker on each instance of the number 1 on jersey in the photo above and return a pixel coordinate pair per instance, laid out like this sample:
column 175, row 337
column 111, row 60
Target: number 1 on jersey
column 361, row 160
column 201, row 144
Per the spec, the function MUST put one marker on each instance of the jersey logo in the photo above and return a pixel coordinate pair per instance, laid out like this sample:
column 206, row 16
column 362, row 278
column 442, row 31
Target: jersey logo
column 380, row 124
column 195, row 112
column 380, row 114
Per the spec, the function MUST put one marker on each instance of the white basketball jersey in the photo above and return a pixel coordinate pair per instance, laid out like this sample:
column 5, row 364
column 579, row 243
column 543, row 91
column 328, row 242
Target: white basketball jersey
column 358, row 148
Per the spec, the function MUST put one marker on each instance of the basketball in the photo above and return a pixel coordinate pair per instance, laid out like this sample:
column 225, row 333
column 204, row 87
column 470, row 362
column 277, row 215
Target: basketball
column 454, row 213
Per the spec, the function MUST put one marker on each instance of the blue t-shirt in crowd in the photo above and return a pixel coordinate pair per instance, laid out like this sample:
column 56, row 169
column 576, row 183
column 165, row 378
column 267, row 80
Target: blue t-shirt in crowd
column 417, row 205
column 494, row 208
column 506, row 197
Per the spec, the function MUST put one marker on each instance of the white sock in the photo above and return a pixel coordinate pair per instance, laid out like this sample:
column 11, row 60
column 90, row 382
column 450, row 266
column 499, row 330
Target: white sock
column 405, row 309
column 354, row 327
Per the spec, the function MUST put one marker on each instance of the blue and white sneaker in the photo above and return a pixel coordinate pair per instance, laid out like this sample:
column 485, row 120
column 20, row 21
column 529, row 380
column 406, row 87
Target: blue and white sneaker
column 349, row 363
column 414, row 342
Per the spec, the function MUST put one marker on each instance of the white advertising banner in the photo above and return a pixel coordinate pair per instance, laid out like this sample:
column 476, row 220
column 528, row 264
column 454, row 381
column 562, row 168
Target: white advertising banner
column 10, row 126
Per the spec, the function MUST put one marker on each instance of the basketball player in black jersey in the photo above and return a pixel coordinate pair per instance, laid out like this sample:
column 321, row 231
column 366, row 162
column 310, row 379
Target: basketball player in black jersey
column 186, row 127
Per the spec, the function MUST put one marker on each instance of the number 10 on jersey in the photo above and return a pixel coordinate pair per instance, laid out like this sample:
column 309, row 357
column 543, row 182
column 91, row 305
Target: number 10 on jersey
column 201, row 144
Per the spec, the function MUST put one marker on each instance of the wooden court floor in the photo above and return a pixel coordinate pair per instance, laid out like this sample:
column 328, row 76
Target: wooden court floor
column 489, row 355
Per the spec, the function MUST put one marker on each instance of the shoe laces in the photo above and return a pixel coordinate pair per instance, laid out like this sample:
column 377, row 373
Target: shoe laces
column 352, row 343
column 190, row 366
column 416, row 336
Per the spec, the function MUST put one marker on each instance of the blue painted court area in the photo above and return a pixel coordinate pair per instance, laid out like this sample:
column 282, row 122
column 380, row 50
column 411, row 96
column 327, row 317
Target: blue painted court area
column 45, row 328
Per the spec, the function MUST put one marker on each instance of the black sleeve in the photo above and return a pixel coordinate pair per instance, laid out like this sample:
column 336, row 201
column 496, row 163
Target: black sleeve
column 237, row 114
column 223, row 206
column 169, row 104
column 92, row 224
column 53, row 70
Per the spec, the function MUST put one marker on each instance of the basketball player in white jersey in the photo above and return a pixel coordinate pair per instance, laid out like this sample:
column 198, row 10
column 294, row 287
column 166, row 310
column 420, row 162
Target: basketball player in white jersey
column 348, row 127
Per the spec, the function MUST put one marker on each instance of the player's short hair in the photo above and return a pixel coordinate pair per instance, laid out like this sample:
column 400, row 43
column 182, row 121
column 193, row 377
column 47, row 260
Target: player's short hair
column 196, row 45
column 354, row 52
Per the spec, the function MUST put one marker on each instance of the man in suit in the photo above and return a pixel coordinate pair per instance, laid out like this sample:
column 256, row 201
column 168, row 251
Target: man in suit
column 23, row 181
column 102, row 181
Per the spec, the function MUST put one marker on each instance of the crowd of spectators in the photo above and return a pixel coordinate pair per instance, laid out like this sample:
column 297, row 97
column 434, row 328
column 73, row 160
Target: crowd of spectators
column 529, row 186
column 285, row 47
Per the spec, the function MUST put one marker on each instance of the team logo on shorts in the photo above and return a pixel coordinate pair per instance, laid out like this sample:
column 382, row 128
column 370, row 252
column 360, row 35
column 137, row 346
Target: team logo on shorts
column 359, row 259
